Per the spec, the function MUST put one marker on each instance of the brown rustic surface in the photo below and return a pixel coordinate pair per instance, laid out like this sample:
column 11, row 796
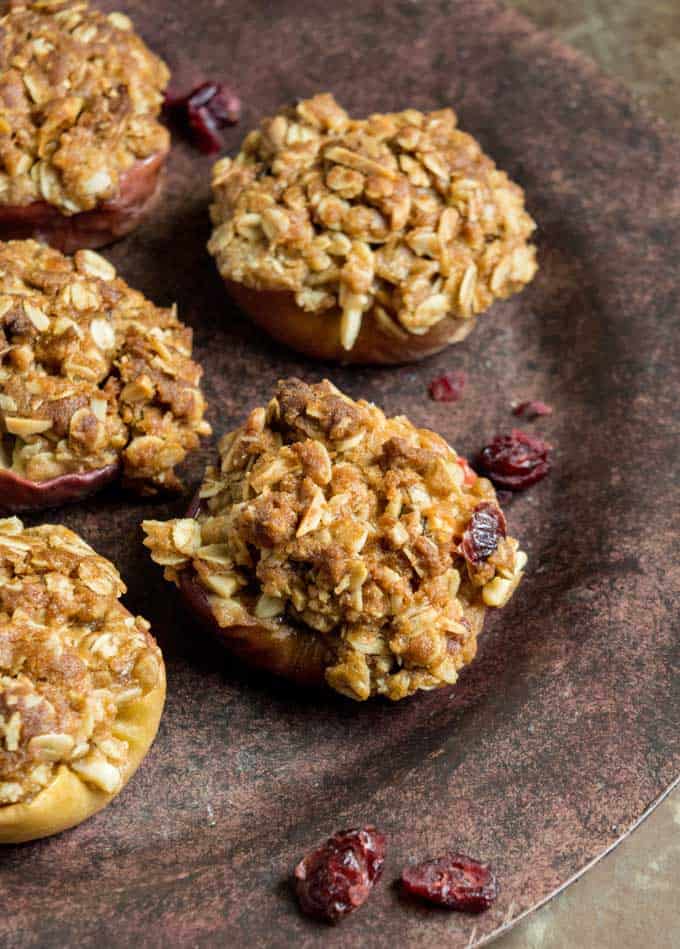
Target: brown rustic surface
column 566, row 727
column 611, row 906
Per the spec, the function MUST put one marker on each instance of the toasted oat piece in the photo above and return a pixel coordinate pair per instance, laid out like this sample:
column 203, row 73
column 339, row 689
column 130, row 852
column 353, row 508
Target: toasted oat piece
column 81, row 147
column 82, row 682
column 373, row 240
column 332, row 544
column 95, row 381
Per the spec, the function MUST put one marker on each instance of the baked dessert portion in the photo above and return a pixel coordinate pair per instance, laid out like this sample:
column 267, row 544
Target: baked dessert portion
column 331, row 543
column 95, row 381
column 82, row 682
column 81, row 147
column 375, row 240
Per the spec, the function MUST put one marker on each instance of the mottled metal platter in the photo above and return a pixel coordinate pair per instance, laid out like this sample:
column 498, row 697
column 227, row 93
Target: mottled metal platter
column 565, row 729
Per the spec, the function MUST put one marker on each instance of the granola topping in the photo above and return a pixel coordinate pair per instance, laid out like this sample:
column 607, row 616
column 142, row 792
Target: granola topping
column 91, row 371
column 401, row 215
column 71, row 659
column 80, row 95
column 328, row 516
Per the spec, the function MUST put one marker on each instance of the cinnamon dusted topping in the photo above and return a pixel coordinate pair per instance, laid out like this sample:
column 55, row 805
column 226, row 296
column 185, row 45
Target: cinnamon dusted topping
column 91, row 371
column 327, row 515
column 80, row 94
column 72, row 658
column 401, row 215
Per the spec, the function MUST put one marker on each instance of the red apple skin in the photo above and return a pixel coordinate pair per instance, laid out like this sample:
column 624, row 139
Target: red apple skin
column 19, row 495
column 140, row 187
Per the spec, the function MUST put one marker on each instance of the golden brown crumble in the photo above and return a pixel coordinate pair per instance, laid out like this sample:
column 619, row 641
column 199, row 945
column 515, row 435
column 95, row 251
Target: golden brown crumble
column 401, row 215
column 91, row 371
column 80, row 95
column 71, row 657
column 327, row 515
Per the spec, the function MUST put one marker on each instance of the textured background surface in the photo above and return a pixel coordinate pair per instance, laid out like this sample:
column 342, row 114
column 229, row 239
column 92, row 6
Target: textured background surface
column 566, row 728
column 612, row 907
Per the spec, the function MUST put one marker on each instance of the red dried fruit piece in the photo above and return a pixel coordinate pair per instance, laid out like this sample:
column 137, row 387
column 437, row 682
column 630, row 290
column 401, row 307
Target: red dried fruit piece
column 448, row 387
column 205, row 110
column 532, row 409
column 487, row 526
column 515, row 461
column 337, row 877
column 454, row 881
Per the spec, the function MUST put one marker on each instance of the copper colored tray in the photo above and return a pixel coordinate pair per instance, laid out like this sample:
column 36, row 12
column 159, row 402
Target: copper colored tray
column 566, row 727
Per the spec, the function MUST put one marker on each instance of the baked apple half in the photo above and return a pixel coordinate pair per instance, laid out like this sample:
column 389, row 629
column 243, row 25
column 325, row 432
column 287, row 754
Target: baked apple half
column 82, row 682
column 81, row 148
column 331, row 544
column 375, row 240
column 95, row 381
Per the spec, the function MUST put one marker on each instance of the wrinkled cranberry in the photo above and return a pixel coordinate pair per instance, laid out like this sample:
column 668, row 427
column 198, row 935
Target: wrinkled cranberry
column 454, row 881
column 448, row 387
column 337, row 877
column 486, row 527
column 515, row 461
column 532, row 409
column 204, row 111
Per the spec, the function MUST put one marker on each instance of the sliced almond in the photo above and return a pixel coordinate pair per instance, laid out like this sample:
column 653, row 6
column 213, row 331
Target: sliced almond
column 23, row 427
column 51, row 747
column 88, row 262
column 103, row 334
column 267, row 607
column 120, row 21
column 39, row 319
column 224, row 586
column 186, row 535
column 350, row 326
column 99, row 407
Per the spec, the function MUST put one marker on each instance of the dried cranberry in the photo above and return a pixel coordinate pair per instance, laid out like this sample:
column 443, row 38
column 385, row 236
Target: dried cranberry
column 486, row 527
column 454, row 881
column 204, row 111
column 515, row 461
column 337, row 877
column 532, row 409
column 448, row 387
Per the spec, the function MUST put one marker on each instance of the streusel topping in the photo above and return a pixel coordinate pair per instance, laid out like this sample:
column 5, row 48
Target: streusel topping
column 80, row 95
column 91, row 371
column 401, row 215
column 327, row 515
column 71, row 659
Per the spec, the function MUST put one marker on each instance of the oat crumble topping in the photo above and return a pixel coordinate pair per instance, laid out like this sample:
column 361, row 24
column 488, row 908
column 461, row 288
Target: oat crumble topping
column 71, row 657
column 347, row 525
column 80, row 95
column 401, row 215
column 91, row 371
